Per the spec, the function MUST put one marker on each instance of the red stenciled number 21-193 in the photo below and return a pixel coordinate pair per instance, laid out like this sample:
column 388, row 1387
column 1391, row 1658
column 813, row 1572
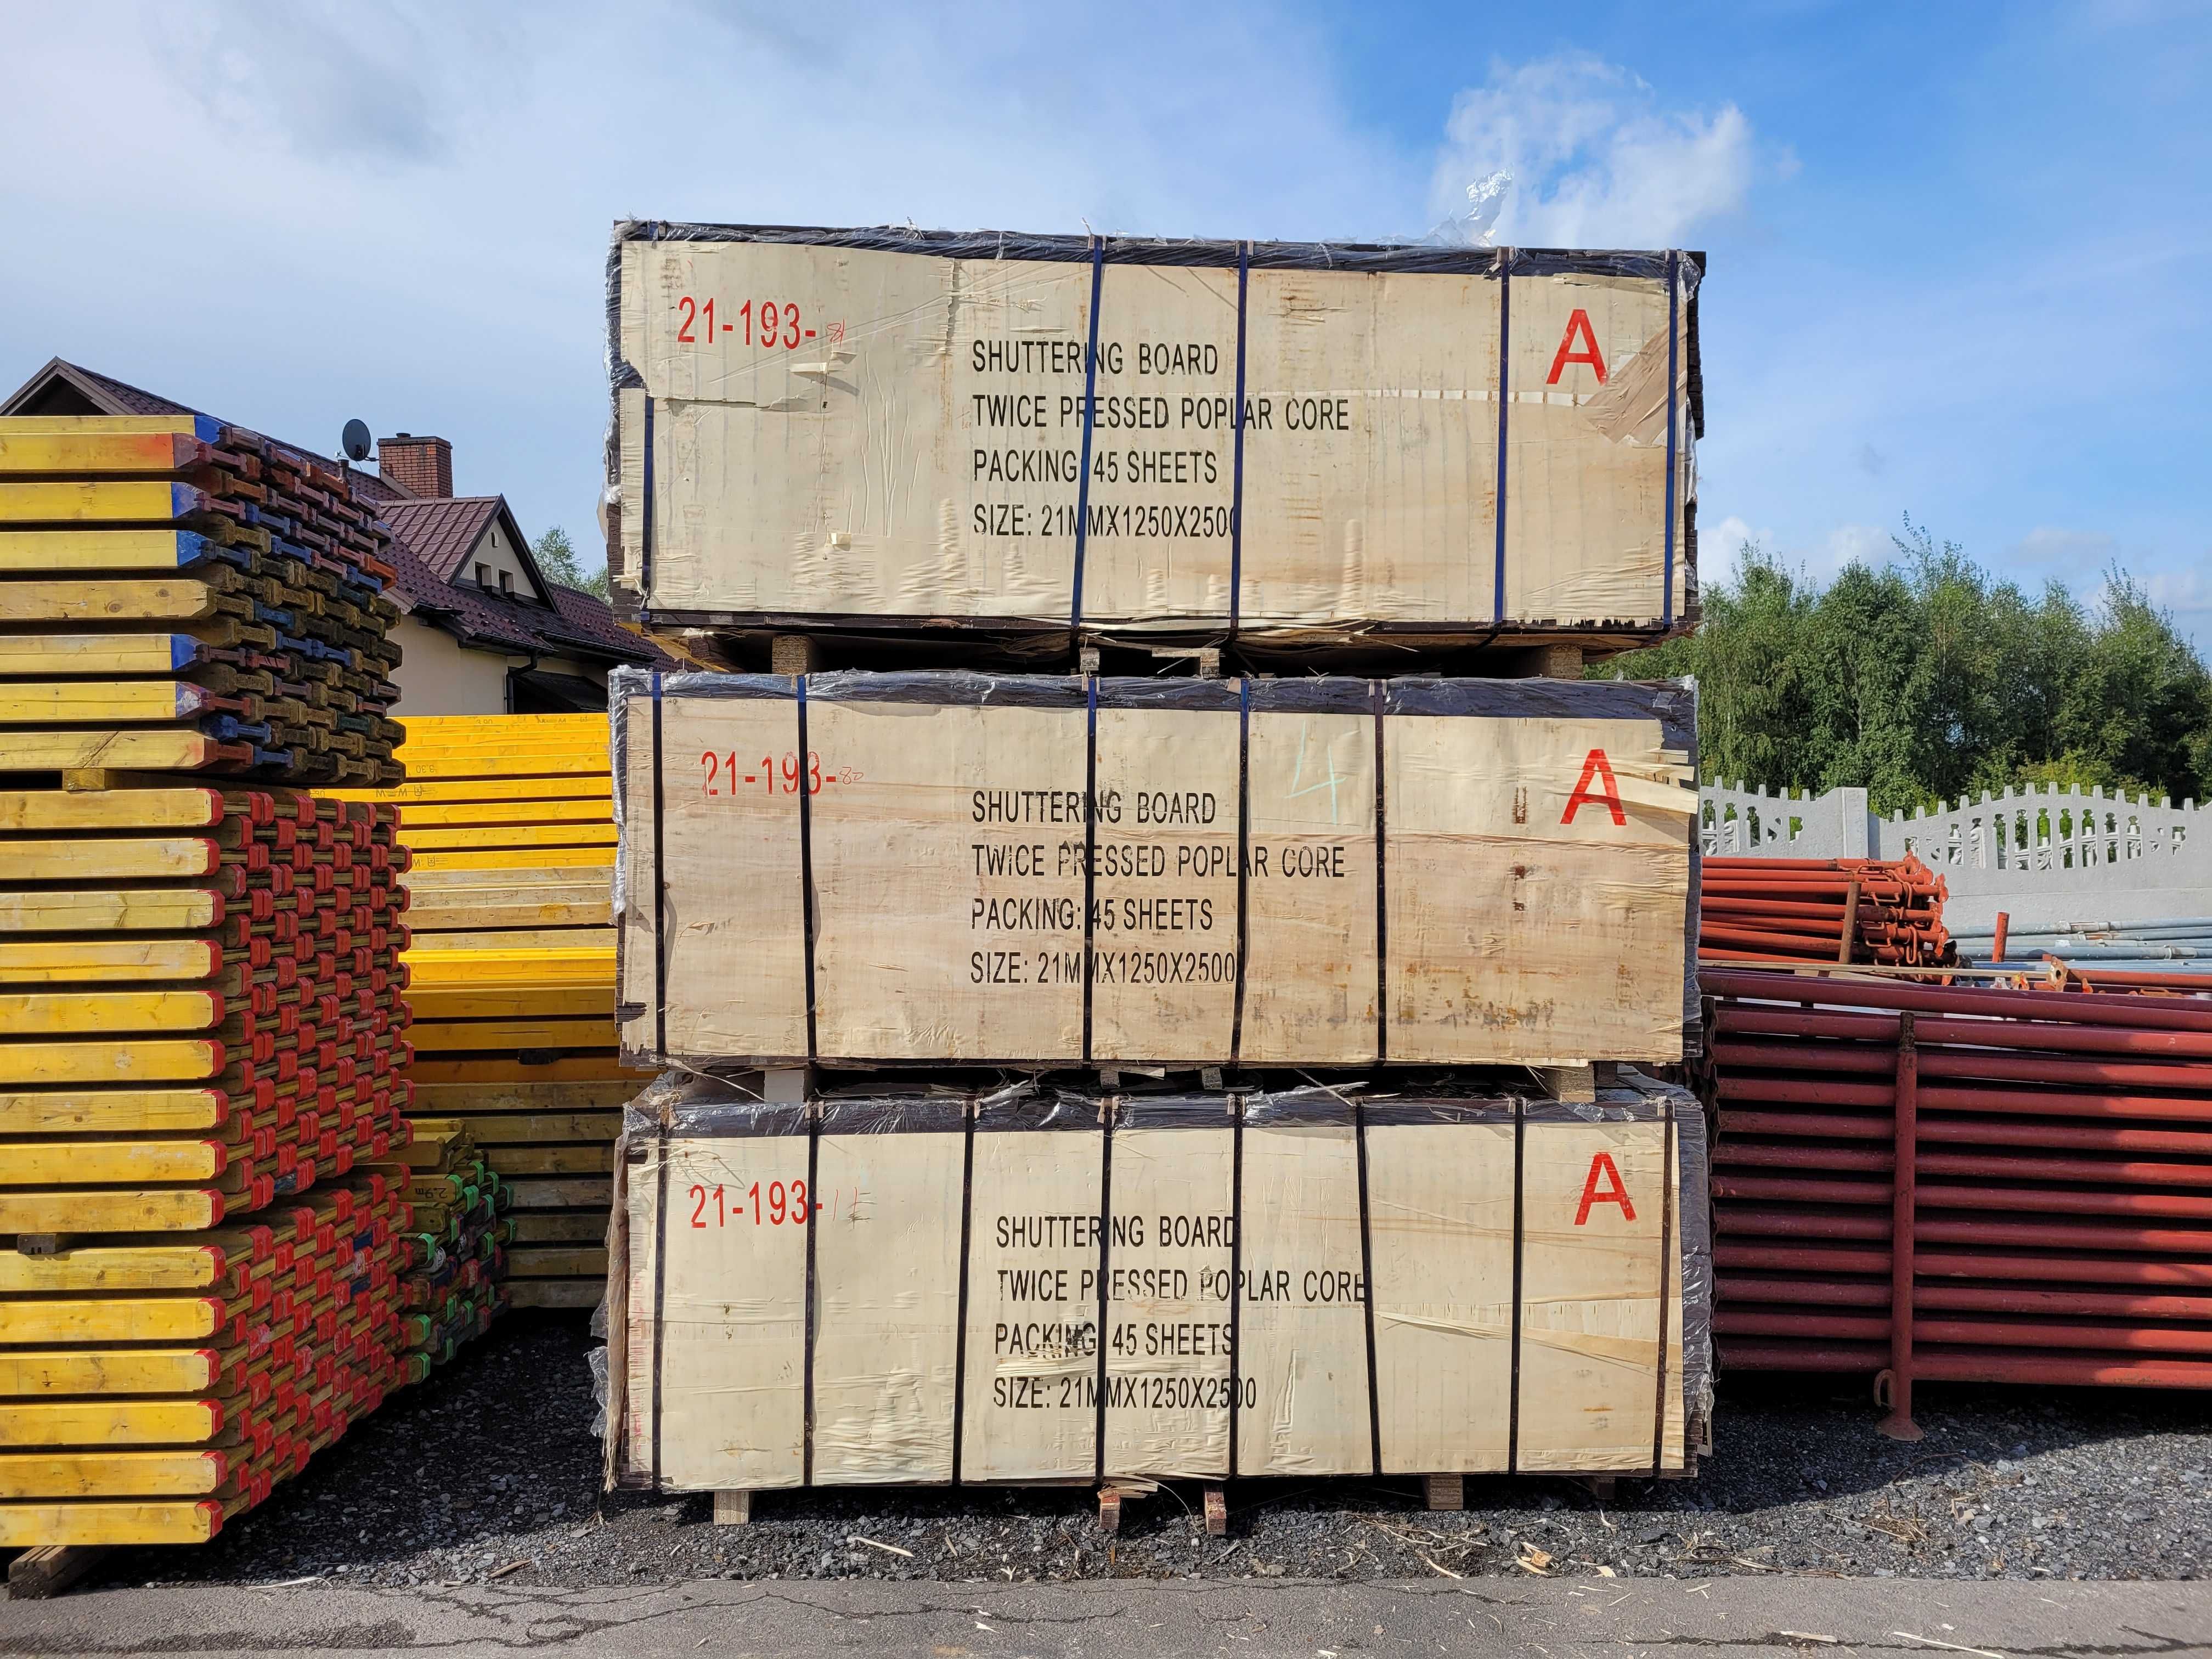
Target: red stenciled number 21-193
column 756, row 323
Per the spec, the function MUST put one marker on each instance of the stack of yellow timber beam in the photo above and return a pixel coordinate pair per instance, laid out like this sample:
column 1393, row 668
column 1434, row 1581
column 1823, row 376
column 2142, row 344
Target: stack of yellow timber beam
column 455, row 1287
column 510, row 822
column 202, row 1035
column 180, row 595
column 153, row 1387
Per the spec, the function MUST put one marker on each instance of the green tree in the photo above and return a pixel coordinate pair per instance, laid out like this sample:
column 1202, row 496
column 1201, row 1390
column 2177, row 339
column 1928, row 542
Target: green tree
column 1928, row 679
column 556, row 557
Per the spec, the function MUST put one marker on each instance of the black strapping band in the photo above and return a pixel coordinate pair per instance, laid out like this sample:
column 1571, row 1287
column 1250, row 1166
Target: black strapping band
column 1381, row 900
column 1367, row 1280
column 813, row 1209
column 1513, row 1407
column 659, row 1288
column 1105, row 1242
column 1235, row 1269
column 1090, row 414
column 1243, row 858
column 659, row 892
column 1089, row 846
column 960, row 1328
column 1666, row 1178
column 807, row 865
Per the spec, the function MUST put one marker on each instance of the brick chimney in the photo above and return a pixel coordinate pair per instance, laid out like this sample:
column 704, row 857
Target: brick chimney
column 424, row 467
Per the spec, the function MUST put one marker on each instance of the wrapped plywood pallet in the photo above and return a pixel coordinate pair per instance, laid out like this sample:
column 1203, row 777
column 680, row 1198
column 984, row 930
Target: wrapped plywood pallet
column 1056, row 437
column 930, row 1287
column 907, row 868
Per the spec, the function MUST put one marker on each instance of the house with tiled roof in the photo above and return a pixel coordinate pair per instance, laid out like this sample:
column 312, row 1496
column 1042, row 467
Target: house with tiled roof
column 483, row 630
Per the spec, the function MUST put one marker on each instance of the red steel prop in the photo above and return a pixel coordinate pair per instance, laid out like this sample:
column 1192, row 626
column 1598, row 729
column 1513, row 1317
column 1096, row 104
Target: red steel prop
column 1924, row 1183
column 1871, row 910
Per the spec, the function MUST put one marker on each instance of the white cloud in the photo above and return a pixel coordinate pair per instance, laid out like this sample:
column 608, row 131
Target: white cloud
column 1596, row 161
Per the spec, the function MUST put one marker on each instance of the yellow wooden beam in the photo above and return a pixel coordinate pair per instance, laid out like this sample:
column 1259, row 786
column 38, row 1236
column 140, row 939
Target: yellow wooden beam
column 112, row 1111
column 41, row 1013
column 111, row 1267
column 431, row 969
column 51, row 1163
column 506, row 1072
column 540, row 857
column 22, row 453
column 180, row 909
column 431, row 932
column 179, row 1521
column 540, row 1129
column 154, row 750
column 109, row 1422
column 96, row 702
column 105, row 603
column 72, row 1320
column 578, row 786
column 90, row 960
column 452, row 1099
column 111, row 1475
column 467, row 1036
column 102, row 501
column 187, row 808
column 48, row 656
column 573, row 1193
column 441, row 911
column 556, row 1261
column 517, row 1163
column 430, row 729
column 67, row 552
column 26, row 1371
column 502, row 838
column 171, row 1210
column 193, row 425
column 484, row 814
column 80, row 859
column 557, row 1294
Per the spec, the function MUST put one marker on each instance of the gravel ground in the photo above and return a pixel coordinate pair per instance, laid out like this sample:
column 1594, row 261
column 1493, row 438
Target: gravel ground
column 490, row 1471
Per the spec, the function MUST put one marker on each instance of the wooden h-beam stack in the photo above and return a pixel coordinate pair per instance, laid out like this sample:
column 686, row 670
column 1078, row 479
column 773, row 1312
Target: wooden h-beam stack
column 202, row 1017
column 457, row 1284
column 510, row 822
column 179, row 595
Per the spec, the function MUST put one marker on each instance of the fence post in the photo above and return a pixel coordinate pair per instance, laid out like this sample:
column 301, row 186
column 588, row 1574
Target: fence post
column 1903, row 1170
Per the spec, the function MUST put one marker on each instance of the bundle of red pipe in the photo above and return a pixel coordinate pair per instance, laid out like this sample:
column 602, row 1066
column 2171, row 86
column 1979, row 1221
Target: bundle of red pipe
column 2044, row 1159
column 1888, row 911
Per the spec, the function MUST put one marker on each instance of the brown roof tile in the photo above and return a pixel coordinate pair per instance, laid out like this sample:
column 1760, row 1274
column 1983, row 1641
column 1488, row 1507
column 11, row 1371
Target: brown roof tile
column 441, row 532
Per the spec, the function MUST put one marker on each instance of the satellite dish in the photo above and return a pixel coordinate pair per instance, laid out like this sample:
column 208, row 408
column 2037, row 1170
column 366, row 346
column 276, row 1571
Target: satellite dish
column 355, row 439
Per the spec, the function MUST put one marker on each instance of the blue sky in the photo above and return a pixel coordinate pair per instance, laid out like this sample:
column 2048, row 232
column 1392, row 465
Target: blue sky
column 1957, row 252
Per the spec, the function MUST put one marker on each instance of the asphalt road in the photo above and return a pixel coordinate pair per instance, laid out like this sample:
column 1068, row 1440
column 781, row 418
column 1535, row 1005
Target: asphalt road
column 1143, row 1619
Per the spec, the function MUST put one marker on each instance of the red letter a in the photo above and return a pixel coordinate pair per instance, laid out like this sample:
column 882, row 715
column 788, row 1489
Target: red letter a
column 1596, row 766
column 1579, row 324
column 1602, row 1166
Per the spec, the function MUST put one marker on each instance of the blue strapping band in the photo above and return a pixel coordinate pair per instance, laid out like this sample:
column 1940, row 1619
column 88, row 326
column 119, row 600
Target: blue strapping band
column 1090, row 415
column 1237, row 465
column 1504, row 389
column 1673, row 348
column 1090, row 846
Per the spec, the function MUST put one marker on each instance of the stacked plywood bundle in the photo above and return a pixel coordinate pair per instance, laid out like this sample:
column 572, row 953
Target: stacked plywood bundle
column 999, row 838
column 510, row 826
column 179, row 595
column 455, row 1286
column 1425, row 1279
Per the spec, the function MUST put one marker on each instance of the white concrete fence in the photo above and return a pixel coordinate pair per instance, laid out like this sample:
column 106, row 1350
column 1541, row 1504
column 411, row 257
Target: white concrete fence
column 2050, row 856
